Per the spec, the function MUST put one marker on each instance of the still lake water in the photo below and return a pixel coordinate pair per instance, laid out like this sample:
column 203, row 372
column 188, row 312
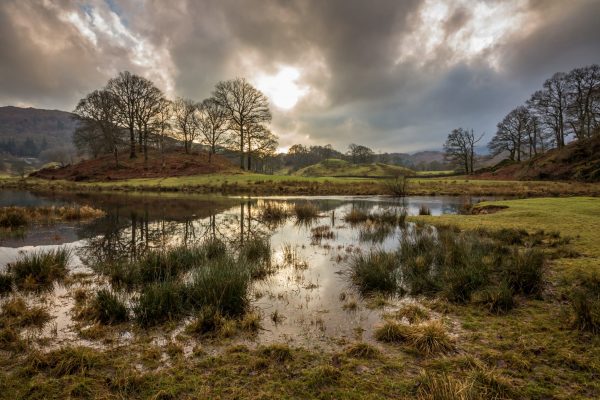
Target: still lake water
column 313, row 295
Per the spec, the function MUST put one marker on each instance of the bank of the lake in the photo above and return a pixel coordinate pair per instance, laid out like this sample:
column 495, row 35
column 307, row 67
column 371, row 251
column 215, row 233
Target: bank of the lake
column 259, row 184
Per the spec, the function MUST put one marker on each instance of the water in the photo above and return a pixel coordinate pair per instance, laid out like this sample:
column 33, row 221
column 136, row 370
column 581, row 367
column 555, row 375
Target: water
column 312, row 296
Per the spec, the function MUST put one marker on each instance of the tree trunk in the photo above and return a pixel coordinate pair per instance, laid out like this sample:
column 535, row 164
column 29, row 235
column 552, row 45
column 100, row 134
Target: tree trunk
column 242, row 147
column 131, row 142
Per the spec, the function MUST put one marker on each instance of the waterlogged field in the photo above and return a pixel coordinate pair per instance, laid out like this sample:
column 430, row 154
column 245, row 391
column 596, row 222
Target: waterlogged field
column 171, row 296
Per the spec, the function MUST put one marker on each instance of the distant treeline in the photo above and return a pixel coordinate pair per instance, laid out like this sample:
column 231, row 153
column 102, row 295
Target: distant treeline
column 25, row 148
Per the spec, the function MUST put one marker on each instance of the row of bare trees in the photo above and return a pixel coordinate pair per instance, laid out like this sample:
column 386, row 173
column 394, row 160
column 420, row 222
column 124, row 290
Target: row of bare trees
column 131, row 113
column 568, row 105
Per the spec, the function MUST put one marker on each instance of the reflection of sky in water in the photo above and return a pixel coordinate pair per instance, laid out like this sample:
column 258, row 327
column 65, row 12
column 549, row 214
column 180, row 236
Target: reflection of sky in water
column 310, row 300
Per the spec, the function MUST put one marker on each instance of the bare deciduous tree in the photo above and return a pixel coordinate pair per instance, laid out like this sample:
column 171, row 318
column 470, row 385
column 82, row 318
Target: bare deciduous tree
column 460, row 148
column 213, row 125
column 245, row 106
column 185, row 115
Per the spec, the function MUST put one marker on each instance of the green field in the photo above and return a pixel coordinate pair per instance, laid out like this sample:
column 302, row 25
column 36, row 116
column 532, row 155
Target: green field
column 341, row 168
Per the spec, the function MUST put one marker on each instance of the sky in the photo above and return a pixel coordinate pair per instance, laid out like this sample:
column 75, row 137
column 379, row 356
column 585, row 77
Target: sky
column 396, row 76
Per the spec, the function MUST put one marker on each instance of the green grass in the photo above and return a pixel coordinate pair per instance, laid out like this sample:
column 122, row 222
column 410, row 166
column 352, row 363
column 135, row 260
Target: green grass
column 375, row 271
column 39, row 270
column 109, row 308
column 341, row 168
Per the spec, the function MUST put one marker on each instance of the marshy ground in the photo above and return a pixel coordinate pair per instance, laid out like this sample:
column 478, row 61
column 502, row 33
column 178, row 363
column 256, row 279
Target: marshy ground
column 326, row 297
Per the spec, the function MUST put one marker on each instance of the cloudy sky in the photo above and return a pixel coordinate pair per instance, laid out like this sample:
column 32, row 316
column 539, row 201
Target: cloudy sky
column 394, row 75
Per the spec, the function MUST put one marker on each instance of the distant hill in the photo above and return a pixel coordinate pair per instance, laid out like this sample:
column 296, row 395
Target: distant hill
column 103, row 168
column 579, row 161
column 334, row 167
column 44, row 128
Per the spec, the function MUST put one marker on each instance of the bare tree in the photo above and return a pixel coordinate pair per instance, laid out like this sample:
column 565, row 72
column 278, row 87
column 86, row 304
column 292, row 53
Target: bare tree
column 147, row 110
column 128, row 91
column 260, row 142
column 98, row 113
column 213, row 125
column 460, row 148
column 185, row 114
column 584, row 100
column 512, row 133
column 161, row 127
column 245, row 105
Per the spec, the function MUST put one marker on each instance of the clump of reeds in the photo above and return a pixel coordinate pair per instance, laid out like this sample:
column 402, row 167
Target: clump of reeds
column 321, row 232
column 277, row 352
column 392, row 332
column 375, row 233
column 40, row 269
column 109, row 308
column 585, row 303
column 430, row 338
column 306, row 211
column 256, row 249
column 424, row 210
column 497, row 299
column 213, row 248
column 6, row 281
column 375, row 271
column 65, row 361
column 160, row 302
column 356, row 216
column 16, row 217
column 16, row 313
column 13, row 217
column 273, row 211
column 524, row 271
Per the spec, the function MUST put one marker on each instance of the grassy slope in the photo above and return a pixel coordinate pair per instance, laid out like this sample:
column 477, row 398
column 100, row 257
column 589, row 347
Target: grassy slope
column 339, row 168
column 531, row 346
column 259, row 184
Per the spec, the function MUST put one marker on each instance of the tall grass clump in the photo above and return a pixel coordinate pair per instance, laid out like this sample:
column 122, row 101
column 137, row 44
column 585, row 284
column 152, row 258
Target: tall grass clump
column 273, row 211
column 524, row 271
column 376, row 271
column 40, row 269
column 213, row 248
column 430, row 338
column 420, row 256
column 306, row 211
column 496, row 299
column 160, row 302
column 356, row 216
column 13, row 217
column 256, row 249
column 223, row 285
column 6, row 282
column 108, row 308
column 585, row 303
column 424, row 210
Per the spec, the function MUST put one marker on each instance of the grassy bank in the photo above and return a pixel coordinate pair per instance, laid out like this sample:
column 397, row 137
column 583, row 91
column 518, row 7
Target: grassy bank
column 258, row 184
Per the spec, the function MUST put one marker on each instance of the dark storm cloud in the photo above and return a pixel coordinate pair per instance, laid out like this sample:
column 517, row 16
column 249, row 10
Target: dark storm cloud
column 394, row 75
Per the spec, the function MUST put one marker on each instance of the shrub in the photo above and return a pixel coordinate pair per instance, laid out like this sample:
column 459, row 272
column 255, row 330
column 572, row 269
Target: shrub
column 108, row 308
column 397, row 186
column 38, row 270
column 376, row 271
column 524, row 271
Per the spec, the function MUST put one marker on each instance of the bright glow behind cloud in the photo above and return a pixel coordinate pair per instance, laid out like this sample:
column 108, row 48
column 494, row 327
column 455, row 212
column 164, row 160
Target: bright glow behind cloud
column 282, row 88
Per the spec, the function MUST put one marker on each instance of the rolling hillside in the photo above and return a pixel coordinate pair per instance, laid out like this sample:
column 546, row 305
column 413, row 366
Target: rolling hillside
column 579, row 161
column 340, row 168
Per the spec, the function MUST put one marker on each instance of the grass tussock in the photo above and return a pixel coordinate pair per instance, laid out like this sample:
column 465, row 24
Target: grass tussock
column 524, row 271
column 496, row 299
column 584, row 303
column 160, row 302
column 274, row 211
column 322, row 376
column 375, row 271
column 306, row 211
column 277, row 352
column 18, row 217
column 392, row 332
column 66, row 361
column 40, row 269
column 108, row 308
column 430, row 338
column 256, row 249
column 424, row 210
column 6, row 282
column 362, row 350
column 356, row 216
column 16, row 313
column 413, row 313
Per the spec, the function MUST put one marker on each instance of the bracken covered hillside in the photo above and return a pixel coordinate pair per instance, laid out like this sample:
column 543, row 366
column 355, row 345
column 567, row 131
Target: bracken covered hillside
column 176, row 163
column 579, row 161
